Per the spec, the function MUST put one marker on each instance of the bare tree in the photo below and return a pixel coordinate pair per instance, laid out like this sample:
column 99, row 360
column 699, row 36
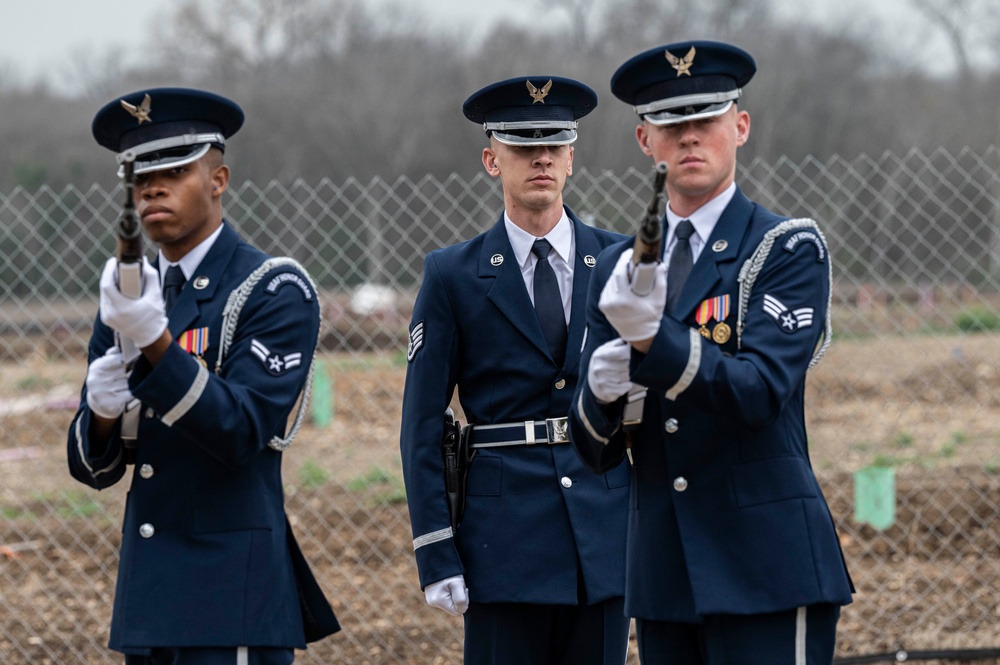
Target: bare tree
column 9, row 79
column 344, row 88
column 955, row 18
column 244, row 35
column 990, row 25
column 579, row 12
column 95, row 74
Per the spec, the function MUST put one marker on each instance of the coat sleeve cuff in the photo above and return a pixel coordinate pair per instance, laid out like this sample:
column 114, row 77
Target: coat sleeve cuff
column 437, row 558
column 598, row 421
column 173, row 386
column 672, row 362
column 103, row 466
column 595, row 430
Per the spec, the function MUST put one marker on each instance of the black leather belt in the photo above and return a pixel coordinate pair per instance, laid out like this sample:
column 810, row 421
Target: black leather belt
column 549, row 431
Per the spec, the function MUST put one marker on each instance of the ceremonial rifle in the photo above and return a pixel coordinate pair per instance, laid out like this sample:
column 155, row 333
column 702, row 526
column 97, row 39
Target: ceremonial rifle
column 128, row 252
column 128, row 243
column 649, row 239
column 645, row 255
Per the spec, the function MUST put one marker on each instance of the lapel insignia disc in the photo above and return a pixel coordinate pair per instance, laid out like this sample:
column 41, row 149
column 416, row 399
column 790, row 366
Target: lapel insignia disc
column 589, row 261
column 140, row 112
column 682, row 65
column 539, row 94
column 496, row 260
column 200, row 282
column 719, row 245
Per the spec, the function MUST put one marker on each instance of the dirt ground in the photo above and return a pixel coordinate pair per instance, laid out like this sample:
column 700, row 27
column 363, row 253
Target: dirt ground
column 928, row 406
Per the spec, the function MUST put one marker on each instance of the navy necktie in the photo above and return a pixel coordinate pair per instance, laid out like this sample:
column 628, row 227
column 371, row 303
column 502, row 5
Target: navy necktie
column 173, row 282
column 548, row 302
column 680, row 263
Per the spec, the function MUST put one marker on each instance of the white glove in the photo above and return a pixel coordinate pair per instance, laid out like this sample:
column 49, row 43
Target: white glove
column 142, row 320
column 635, row 317
column 450, row 595
column 107, row 385
column 607, row 374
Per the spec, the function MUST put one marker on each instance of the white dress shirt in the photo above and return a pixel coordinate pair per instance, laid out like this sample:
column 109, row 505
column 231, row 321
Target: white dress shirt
column 190, row 261
column 560, row 258
column 703, row 219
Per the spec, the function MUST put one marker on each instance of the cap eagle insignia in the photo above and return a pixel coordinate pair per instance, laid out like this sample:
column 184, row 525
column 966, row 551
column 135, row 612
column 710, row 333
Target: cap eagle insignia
column 539, row 94
column 140, row 112
column 682, row 65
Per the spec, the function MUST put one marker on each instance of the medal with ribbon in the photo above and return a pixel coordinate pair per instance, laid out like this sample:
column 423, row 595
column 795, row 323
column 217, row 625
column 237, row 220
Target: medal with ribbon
column 716, row 308
column 195, row 342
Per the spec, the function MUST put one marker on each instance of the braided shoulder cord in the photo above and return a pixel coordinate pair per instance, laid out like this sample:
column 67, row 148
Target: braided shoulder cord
column 230, row 318
column 751, row 269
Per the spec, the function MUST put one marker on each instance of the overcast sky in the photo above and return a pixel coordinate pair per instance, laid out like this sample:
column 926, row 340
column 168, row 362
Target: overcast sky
column 39, row 38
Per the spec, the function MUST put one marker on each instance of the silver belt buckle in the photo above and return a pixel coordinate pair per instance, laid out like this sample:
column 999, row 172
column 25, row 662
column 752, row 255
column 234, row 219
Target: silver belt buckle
column 557, row 430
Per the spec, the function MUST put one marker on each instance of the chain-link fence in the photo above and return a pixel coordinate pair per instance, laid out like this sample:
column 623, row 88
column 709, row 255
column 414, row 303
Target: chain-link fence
column 904, row 411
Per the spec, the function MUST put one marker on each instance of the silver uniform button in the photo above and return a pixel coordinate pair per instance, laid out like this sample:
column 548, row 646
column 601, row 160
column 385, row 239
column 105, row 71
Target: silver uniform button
column 671, row 425
column 149, row 412
column 146, row 470
column 147, row 530
column 560, row 384
column 680, row 483
column 566, row 482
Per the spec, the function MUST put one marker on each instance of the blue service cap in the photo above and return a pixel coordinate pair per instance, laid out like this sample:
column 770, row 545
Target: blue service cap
column 161, row 128
column 531, row 110
column 684, row 81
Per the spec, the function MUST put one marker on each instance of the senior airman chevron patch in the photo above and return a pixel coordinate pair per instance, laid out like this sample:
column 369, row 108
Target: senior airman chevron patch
column 416, row 341
column 788, row 320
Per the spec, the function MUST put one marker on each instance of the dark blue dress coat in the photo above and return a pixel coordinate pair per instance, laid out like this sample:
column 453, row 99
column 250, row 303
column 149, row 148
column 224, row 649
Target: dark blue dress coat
column 207, row 556
column 535, row 516
column 726, row 515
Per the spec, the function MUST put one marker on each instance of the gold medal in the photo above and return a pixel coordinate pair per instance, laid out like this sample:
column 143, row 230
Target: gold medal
column 714, row 308
column 721, row 333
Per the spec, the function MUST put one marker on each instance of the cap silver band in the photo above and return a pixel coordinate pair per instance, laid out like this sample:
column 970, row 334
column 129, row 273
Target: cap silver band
column 688, row 100
column 170, row 142
column 664, row 118
column 565, row 137
column 147, row 166
column 530, row 124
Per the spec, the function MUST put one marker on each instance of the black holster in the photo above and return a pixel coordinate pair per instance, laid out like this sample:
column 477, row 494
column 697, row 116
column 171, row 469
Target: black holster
column 457, row 456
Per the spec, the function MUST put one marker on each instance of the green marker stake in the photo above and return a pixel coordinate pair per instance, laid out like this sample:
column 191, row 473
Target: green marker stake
column 322, row 396
column 875, row 496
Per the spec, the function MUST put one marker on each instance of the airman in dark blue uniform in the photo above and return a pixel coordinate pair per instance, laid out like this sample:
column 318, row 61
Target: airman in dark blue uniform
column 537, row 563
column 209, row 572
column 732, row 553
